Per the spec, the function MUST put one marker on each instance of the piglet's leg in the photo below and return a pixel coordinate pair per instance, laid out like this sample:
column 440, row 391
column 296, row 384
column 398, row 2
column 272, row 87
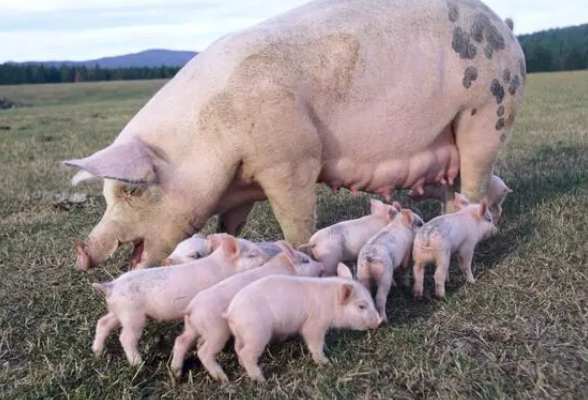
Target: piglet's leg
column 104, row 326
column 441, row 273
column 384, row 284
column 214, row 341
column 465, row 263
column 132, row 328
column 181, row 347
column 248, row 350
column 314, row 336
column 418, row 272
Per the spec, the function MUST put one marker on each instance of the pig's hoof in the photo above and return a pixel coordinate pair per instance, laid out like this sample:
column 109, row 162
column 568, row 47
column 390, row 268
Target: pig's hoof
column 417, row 294
column 321, row 360
column 470, row 279
column 220, row 376
column 83, row 262
column 136, row 361
column 259, row 378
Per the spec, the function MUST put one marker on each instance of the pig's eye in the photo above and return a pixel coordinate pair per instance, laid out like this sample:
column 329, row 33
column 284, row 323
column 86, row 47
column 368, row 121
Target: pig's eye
column 253, row 254
column 195, row 255
column 133, row 190
column 362, row 306
column 305, row 260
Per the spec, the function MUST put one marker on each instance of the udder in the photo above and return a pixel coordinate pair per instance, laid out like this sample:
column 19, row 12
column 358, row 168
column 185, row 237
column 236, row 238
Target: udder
column 437, row 164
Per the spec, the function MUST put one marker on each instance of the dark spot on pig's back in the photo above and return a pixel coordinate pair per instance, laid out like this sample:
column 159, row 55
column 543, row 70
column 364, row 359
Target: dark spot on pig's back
column 494, row 38
column 462, row 45
column 488, row 52
column 499, row 124
column 500, row 111
column 479, row 26
column 497, row 90
column 453, row 11
column 474, row 111
column 470, row 74
column 514, row 85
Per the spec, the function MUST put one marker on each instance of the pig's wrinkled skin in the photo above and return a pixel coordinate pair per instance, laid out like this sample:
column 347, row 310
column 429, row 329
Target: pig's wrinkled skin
column 203, row 316
column 276, row 307
column 385, row 253
column 495, row 196
column 370, row 95
column 450, row 234
column 196, row 247
column 343, row 241
column 163, row 293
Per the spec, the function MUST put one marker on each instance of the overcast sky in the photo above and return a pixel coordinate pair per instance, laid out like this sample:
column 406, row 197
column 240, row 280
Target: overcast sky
column 43, row 30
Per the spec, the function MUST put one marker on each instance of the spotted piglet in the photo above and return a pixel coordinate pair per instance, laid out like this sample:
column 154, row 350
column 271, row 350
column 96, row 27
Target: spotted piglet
column 344, row 240
column 449, row 234
column 385, row 253
column 203, row 316
column 162, row 293
column 276, row 307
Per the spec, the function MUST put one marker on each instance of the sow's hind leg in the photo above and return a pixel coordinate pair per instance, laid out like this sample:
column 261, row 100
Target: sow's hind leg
column 479, row 135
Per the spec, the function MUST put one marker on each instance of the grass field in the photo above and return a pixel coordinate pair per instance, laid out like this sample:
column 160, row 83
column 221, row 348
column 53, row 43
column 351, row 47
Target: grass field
column 520, row 331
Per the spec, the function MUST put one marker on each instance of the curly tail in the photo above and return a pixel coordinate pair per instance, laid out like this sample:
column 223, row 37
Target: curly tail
column 510, row 23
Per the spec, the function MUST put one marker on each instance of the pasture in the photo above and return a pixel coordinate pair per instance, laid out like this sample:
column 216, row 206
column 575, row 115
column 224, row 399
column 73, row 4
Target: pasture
column 521, row 331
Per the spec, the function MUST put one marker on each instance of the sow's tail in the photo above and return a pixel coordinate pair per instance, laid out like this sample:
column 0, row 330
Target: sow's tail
column 510, row 23
column 102, row 289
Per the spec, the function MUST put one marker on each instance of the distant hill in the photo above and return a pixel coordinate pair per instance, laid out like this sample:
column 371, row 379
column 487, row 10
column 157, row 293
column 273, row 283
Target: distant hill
column 560, row 49
column 147, row 58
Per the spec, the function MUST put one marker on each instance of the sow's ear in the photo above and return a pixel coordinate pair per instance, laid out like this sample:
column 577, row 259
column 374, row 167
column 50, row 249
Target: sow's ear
column 128, row 161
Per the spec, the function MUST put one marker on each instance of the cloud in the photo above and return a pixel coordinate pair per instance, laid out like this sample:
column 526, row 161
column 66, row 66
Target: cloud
column 79, row 30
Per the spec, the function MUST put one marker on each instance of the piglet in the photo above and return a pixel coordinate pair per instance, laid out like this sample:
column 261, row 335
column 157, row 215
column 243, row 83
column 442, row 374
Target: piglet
column 188, row 250
column 276, row 307
column 162, row 293
column 344, row 240
column 203, row 316
column 196, row 247
column 385, row 253
column 446, row 235
column 495, row 196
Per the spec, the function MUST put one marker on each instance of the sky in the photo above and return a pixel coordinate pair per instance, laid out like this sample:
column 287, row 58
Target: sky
column 42, row 30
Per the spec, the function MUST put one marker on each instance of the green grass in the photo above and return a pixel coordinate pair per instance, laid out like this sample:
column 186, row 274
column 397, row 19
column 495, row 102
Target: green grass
column 520, row 331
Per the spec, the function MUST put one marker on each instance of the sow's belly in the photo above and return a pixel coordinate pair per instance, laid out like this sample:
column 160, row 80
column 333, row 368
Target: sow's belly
column 382, row 163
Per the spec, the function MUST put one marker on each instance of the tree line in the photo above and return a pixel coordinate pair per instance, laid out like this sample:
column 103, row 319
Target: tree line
column 561, row 49
column 15, row 74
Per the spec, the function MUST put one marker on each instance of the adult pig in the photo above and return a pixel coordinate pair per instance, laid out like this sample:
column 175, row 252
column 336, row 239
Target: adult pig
column 369, row 95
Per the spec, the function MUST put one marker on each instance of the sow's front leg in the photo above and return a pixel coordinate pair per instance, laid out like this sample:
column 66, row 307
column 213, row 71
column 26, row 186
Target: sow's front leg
column 287, row 169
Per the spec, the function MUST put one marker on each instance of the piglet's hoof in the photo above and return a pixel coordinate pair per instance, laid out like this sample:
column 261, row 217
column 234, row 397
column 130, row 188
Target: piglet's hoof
column 83, row 262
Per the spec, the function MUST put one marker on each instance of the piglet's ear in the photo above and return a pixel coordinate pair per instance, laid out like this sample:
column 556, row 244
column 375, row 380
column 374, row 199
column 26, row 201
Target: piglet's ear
column 460, row 201
column 397, row 205
column 343, row 271
column 230, row 246
column 287, row 250
column 214, row 241
column 376, row 205
column 128, row 161
column 407, row 218
column 345, row 293
column 483, row 208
